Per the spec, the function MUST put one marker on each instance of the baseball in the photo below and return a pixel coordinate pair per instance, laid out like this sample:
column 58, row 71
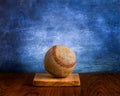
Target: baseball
column 60, row 61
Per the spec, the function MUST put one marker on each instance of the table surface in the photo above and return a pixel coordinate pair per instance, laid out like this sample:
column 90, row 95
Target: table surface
column 92, row 84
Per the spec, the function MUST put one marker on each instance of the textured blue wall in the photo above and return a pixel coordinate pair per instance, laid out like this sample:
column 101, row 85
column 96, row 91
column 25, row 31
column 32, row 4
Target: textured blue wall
column 28, row 28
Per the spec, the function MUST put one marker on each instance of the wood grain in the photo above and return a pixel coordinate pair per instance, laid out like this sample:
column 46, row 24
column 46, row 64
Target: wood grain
column 45, row 79
column 92, row 84
column 100, row 84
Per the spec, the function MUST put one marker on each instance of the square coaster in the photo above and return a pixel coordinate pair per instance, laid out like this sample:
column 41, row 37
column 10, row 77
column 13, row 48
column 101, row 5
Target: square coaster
column 45, row 79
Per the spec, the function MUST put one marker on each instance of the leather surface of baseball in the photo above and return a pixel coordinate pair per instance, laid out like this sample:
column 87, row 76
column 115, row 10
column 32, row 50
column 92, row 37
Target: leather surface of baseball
column 60, row 61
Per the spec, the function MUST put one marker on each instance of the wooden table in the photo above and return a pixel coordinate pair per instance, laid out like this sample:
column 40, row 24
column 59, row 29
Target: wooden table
column 92, row 84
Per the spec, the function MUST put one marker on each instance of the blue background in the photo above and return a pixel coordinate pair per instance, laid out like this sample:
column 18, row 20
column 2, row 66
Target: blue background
column 28, row 28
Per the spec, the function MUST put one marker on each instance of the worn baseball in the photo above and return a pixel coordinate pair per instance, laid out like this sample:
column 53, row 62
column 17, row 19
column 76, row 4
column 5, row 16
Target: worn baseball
column 60, row 61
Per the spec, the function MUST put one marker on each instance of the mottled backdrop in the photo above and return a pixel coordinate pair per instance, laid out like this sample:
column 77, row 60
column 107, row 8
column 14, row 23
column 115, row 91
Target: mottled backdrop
column 28, row 28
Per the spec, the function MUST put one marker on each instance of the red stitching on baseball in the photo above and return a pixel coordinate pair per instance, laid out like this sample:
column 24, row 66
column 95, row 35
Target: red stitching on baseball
column 60, row 62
